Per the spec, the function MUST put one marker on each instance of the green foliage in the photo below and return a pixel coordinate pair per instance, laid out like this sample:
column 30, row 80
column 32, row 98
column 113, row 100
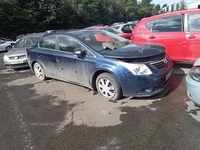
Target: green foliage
column 182, row 5
column 165, row 5
column 25, row 16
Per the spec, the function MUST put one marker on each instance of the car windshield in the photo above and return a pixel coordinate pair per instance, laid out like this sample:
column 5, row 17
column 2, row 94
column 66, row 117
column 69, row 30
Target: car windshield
column 27, row 41
column 98, row 39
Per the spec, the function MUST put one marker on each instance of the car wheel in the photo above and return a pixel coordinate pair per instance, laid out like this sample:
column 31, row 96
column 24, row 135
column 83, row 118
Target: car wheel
column 39, row 72
column 108, row 86
column 8, row 48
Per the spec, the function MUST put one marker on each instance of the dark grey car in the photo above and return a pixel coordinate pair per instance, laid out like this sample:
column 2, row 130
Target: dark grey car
column 16, row 57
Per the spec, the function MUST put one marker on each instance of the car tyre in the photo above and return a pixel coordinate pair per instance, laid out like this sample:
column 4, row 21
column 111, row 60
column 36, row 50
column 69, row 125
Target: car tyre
column 39, row 72
column 108, row 86
column 8, row 48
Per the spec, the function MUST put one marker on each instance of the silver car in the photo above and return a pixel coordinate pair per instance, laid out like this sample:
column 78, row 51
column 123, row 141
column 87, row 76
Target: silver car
column 193, row 83
column 16, row 57
column 6, row 44
column 124, row 27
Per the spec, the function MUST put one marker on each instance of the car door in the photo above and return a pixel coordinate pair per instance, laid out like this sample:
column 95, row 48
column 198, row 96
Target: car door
column 168, row 31
column 192, row 35
column 46, row 56
column 71, row 67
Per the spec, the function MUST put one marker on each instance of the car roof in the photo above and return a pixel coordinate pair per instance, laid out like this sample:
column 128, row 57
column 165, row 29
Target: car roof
column 173, row 13
column 74, row 32
column 34, row 34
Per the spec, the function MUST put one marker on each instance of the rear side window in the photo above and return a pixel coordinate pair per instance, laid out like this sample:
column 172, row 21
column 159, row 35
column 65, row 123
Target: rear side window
column 166, row 24
column 194, row 22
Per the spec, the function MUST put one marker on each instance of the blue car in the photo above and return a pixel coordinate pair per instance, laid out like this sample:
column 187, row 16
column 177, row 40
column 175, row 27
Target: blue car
column 115, row 67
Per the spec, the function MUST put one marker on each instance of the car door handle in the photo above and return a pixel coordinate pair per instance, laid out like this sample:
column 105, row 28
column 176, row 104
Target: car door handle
column 152, row 37
column 190, row 36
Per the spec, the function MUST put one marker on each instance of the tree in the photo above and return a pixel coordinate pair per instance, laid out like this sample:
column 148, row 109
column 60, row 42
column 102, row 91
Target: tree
column 182, row 5
column 157, row 8
column 165, row 5
column 26, row 16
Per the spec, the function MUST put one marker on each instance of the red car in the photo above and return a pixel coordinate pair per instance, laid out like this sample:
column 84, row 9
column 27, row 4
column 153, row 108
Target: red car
column 178, row 31
column 106, row 28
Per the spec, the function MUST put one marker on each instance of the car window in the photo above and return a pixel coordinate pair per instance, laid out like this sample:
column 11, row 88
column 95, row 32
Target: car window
column 133, row 25
column 166, row 24
column 27, row 41
column 126, row 29
column 149, row 25
column 30, row 41
column 194, row 22
column 20, row 43
column 48, row 42
column 69, row 44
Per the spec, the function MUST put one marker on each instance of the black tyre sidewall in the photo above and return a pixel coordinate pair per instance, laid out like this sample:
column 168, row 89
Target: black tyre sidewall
column 115, row 83
column 8, row 48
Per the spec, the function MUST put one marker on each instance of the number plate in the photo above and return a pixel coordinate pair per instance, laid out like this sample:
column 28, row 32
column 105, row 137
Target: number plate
column 17, row 62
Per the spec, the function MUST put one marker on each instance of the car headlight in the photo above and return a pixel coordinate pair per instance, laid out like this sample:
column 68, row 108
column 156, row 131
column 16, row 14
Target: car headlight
column 136, row 69
column 5, row 57
column 195, row 73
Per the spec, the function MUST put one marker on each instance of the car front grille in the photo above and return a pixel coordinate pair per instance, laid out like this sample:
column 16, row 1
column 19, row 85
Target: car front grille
column 17, row 57
column 162, row 64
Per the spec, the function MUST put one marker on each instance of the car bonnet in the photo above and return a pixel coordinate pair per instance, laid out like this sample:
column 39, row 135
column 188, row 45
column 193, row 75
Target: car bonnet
column 17, row 51
column 134, row 51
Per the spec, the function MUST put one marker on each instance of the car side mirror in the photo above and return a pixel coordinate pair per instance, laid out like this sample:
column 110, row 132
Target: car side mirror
column 79, row 53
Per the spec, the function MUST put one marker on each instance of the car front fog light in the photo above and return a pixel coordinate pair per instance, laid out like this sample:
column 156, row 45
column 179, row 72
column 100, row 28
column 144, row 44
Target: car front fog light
column 195, row 73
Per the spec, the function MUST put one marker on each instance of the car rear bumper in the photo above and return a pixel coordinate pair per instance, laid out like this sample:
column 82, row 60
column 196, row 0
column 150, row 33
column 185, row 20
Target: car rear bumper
column 193, row 89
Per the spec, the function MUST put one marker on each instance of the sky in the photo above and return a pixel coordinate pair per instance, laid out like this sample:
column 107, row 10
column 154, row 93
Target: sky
column 162, row 2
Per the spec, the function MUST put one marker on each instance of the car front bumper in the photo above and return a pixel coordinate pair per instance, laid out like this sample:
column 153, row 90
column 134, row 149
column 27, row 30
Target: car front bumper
column 193, row 89
column 14, row 64
column 145, row 86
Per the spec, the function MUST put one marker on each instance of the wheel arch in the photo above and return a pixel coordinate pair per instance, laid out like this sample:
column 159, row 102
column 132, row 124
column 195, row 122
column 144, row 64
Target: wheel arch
column 32, row 66
column 97, row 73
